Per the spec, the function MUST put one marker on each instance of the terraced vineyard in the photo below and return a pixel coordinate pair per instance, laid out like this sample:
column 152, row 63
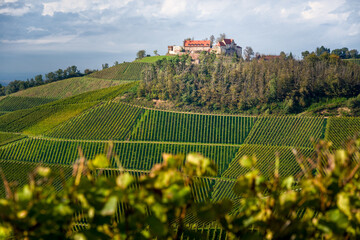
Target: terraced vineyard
column 123, row 71
column 132, row 155
column 22, row 120
column 114, row 72
column 6, row 138
column 67, row 88
column 18, row 172
column 51, row 114
column 266, row 160
column 108, row 121
column 11, row 103
column 340, row 129
column 178, row 127
column 287, row 131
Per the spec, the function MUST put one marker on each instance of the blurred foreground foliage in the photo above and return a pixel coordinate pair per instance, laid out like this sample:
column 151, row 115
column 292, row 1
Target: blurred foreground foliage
column 322, row 202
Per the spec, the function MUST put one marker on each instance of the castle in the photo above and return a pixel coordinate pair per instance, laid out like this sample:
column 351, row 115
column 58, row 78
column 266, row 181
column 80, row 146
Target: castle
column 195, row 47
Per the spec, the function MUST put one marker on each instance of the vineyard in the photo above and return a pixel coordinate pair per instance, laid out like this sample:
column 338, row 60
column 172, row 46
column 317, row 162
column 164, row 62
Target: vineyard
column 178, row 127
column 123, row 71
column 6, row 138
column 11, row 103
column 107, row 121
column 67, row 88
column 340, row 129
column 132, row 155
column 287, row 131
column 47, row 125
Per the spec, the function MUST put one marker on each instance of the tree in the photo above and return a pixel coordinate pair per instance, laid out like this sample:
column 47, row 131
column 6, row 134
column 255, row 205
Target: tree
column 283, row 55
column 354, row 53
column 305, row 54
column 321, row 50
column 39, row 80
column 116, row 63
column 221, row 37
column 248, row 53
column 141, row 54
column 290, row 56
column 50, row 77
column 59, row 74
column 212, row 39
column 105, row 66
column 156, row 53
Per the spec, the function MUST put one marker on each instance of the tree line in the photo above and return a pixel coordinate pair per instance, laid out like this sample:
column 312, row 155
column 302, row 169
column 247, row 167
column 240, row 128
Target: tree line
column 235, row 85
column 60, row 74
column 343, row 53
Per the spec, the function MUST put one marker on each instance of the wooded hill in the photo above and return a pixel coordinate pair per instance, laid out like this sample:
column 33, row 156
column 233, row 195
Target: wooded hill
column 92, row 111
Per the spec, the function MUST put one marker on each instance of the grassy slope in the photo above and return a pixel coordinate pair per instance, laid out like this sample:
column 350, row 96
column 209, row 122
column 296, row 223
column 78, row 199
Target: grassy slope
column 153, row 59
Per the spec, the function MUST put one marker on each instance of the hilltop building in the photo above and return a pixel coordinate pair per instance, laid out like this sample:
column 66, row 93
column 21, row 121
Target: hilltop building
column 227, row 47
column 195, row 47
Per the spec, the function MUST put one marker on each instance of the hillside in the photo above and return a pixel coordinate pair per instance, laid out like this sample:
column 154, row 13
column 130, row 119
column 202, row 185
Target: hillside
column 123, row 71
column 141, row 135
column 47, row 125
column 47, row 93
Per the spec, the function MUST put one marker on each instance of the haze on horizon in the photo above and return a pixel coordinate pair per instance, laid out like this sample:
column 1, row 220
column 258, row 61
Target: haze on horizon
column 40, row 37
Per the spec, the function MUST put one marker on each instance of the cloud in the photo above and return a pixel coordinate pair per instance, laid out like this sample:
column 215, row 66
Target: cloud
column 325, row 11
column 172, row 8
column 14, row 11
column 34, row 29
column 77, row 6
column 354, row 29
column 52, row 39
column 7, row 1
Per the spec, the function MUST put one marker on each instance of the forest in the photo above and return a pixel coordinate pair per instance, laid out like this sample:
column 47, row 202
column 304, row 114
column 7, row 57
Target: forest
column 230, row 84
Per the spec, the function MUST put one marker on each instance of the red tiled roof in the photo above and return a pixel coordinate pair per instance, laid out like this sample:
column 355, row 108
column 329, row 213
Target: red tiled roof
column 228, row 41
column 220, row 44
column 269, row 57
column 197, row 43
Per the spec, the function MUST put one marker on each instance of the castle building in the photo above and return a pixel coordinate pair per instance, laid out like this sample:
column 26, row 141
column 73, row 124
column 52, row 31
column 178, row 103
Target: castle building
column 227, row 47
column 194, row 47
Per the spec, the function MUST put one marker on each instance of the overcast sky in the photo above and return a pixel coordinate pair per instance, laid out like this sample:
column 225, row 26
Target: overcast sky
column 37, row 37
